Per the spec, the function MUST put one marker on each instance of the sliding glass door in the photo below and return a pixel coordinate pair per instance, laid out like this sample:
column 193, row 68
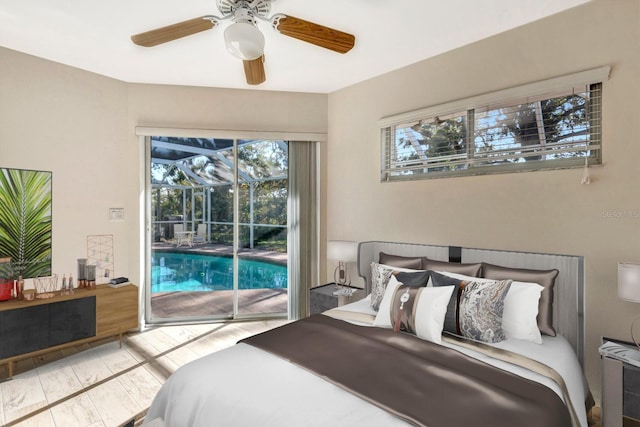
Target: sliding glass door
column 218, row 229
column 262, row 226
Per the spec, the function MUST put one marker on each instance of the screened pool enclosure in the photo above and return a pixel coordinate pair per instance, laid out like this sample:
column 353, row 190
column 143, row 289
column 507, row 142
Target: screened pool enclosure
column 217, row 198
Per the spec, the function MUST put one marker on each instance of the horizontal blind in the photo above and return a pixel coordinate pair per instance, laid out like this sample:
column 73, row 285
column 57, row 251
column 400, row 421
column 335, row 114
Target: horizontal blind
column 545, row 128
column 582, row 78
column 548, row 129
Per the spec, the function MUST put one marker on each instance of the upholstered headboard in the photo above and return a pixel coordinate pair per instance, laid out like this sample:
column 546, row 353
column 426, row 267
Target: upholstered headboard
column 568, row 302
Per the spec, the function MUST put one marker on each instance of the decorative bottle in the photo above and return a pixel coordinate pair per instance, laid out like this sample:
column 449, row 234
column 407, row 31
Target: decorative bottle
column 20, row 288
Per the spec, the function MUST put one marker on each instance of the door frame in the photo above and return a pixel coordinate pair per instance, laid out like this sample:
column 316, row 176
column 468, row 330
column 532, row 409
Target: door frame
column 144, row 134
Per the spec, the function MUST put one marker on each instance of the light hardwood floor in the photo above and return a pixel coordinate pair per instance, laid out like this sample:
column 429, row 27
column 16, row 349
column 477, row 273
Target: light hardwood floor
column 103, row 385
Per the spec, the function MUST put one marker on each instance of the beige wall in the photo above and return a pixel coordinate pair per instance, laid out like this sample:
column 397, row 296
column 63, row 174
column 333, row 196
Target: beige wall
column 548, row 211
column 73, row 123
column 81, row 126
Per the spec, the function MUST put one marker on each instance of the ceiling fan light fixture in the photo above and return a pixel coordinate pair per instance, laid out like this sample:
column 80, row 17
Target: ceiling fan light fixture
column 244, row 41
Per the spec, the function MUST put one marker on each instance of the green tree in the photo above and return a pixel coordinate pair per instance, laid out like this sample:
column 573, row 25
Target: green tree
column 439, row 138
column 262, row 166
column 563, row 118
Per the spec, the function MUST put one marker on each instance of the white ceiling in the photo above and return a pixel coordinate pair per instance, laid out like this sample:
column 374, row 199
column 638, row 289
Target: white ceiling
column 95, row 36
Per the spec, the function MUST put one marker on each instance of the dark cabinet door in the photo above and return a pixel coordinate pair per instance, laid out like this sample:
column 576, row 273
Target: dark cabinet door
column 72, row 320
column 23, row 330
column 28, row 329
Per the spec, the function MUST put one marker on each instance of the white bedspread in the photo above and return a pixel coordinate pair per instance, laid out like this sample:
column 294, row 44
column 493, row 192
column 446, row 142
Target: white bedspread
column 245, row 386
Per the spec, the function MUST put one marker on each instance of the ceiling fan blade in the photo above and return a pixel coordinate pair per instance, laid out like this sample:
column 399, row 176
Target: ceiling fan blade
column 254, row 71
column 172, row 32
column 316, row 34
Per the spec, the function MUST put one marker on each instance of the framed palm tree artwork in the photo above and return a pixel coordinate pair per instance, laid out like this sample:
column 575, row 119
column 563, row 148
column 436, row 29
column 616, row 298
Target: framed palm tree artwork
column 25, row 221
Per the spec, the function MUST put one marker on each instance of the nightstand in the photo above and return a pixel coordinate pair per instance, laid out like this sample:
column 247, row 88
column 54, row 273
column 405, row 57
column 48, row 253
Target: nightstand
column 620, row 390
column 321, row 298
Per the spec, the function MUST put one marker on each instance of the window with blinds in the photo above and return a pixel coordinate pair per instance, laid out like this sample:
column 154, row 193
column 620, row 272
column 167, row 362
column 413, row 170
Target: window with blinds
column 551, row 124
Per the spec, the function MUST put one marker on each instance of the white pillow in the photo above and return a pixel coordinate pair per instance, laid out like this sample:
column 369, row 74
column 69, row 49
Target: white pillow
column 429, row 311
column 429, row 315
column 519, row 318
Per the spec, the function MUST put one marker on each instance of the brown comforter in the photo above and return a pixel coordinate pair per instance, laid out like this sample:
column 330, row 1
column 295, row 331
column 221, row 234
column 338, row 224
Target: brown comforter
column 421, row 382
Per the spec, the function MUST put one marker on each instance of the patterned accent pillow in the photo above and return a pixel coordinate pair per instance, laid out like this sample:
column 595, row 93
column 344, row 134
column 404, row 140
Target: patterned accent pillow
column 546, row 278
column 480, row 310
column 519, row 317
column 380, row 275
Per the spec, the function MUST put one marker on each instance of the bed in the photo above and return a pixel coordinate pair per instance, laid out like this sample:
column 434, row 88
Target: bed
column 391, row 359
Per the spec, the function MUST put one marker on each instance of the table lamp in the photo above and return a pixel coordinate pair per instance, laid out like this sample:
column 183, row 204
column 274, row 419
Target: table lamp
column 629, row 287
column 344, row 252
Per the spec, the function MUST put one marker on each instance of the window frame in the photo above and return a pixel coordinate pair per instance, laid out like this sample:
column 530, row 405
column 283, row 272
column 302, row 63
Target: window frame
column 505, row 97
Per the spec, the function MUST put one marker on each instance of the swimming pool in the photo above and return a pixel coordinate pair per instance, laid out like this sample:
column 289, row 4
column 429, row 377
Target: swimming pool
column 175, row 271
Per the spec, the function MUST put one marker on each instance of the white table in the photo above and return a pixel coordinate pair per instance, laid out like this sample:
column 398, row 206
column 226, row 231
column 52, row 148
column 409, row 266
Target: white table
column 184, row 238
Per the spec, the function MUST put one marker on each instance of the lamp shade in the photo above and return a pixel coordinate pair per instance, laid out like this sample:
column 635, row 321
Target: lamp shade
column 244, row 41
column 629, row 281
column 342, row 250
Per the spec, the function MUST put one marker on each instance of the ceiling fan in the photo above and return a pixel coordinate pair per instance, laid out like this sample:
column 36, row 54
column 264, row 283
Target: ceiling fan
column 243, row 38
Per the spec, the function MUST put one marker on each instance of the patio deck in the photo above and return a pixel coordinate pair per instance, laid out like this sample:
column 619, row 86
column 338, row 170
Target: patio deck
column 219, row 303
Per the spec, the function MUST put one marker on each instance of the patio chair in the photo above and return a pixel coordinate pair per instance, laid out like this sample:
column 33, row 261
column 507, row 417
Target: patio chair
column 201, row 234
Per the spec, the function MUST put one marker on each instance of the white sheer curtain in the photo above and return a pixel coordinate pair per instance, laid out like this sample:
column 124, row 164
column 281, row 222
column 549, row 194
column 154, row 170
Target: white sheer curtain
column 303, row 225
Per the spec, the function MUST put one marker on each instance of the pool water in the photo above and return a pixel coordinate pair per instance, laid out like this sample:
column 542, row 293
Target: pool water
column 174, row 271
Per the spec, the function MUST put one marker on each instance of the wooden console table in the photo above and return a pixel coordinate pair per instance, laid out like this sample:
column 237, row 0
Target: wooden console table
column 31, row 328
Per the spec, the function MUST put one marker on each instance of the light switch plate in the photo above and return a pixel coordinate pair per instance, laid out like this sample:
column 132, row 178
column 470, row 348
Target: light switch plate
column 116, row 214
